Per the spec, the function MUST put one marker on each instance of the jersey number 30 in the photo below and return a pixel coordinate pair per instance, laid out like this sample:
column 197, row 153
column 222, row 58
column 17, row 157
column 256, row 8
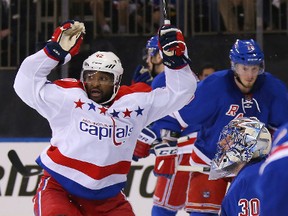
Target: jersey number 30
column 249, row 207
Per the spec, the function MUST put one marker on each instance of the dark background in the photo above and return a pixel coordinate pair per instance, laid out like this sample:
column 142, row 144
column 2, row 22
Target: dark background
column 18, row 120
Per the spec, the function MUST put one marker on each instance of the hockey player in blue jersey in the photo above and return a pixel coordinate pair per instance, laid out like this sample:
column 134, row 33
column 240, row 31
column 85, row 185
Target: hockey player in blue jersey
column 154, row 64
column 272, row 183
column 245, row 90
column 242, row 148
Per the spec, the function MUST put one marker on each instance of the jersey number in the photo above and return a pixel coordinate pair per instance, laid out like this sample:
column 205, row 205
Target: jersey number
column 249, row 207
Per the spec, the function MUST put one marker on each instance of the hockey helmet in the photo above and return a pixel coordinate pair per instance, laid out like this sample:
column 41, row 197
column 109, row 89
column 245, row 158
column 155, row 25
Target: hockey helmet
column 240, row 141
column 104, row 62
column 247, row 52
column 152, row 45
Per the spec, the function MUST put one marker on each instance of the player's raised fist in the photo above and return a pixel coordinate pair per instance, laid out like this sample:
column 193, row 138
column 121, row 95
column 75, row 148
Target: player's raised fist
column 66, row 38
column 172, row 45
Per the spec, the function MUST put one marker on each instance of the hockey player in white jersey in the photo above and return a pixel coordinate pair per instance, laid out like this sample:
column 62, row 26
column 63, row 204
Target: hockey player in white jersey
column 95, row 122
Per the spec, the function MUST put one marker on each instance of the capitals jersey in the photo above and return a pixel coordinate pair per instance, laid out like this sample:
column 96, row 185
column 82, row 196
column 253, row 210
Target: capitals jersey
column 187, row 134
column 272, row 183
column 242, row 197
column 92, row 145
column 218, row 100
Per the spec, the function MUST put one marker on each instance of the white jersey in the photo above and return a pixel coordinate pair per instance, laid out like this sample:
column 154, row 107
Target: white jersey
column 92, row 145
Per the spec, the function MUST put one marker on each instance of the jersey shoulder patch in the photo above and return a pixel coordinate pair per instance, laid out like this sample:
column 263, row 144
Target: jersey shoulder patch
column 137, row 87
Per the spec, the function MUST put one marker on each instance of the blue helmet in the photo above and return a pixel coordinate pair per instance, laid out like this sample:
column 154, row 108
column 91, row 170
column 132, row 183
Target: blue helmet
column 152, row 45
column 247, row 52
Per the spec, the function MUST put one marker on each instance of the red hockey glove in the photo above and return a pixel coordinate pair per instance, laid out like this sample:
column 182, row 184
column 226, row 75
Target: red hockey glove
column 67, row 38
column 143, row 145
column 165, row 162
column 172, row 45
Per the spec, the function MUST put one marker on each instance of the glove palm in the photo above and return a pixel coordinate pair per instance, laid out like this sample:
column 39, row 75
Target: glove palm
column 67, row 38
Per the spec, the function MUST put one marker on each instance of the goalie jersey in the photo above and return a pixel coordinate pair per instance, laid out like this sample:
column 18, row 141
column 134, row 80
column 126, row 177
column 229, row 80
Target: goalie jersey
column 242, row 196
column 272, row 183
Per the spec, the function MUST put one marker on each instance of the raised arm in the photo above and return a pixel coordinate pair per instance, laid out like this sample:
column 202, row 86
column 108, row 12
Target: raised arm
column 180, row 80
column 31, row 83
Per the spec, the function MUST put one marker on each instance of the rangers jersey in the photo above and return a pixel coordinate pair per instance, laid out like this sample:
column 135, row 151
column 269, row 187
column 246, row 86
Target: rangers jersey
column 218, row 100
column 92, row 145
column 242, row 197
column 272, row 183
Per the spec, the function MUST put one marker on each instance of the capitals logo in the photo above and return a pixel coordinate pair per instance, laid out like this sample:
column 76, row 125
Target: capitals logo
column 106, row 131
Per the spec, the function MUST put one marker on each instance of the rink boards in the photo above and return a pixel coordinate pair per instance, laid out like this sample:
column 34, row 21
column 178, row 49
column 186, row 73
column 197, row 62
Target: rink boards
column 16, row 191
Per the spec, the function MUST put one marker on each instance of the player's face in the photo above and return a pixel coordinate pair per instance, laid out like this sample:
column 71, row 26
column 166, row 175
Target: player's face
column 247, row 74
column 206, row 72
column 99, row 85
column 149, row 63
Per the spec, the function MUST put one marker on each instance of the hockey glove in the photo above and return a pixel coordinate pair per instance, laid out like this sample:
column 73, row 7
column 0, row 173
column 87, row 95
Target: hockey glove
column 172, row 45
column 165, row 162
column 143, row 145
column 67, row 38
column 142, row 74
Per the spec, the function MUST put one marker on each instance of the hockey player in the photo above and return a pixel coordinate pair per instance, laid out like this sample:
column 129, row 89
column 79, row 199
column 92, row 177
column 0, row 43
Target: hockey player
column 272, row 183
column 95, row 122
column 242, row 148
column 153, row 60
column 245, row 90
column 170, row 193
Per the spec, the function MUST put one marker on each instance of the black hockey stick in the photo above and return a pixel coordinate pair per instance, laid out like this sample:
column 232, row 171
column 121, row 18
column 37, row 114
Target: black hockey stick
column 167, row 22
column 17, row 163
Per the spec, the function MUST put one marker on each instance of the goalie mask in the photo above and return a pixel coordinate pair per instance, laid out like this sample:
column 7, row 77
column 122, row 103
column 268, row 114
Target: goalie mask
column 240, row 141
column 104, row 62
column 247, row 52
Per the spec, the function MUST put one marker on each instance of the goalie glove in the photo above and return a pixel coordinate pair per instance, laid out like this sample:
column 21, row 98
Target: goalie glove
column 165, row 162
column 142, row 74
column 67, row 38
column 146, row 138
column 173, row 47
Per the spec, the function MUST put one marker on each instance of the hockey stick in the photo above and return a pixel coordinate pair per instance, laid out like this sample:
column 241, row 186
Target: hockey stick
column 194, row 168
column 167, row 22
column 17, row 163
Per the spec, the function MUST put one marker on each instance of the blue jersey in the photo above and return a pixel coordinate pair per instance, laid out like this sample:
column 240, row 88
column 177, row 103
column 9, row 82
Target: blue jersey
column 272, row 184
column 242, row 197
column 218, row 100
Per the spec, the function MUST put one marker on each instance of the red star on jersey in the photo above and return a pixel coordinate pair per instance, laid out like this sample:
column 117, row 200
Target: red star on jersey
column 79, row 104
column 103, row 110
column 127, row 113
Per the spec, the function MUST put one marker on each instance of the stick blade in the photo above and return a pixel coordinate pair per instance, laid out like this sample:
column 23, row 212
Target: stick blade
column 16, row 162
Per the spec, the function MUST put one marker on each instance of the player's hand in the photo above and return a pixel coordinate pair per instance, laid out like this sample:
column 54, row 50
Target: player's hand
column 142, row 74
column 172, row 45
column 143, row 145
column 165, row 162
column 67, row 38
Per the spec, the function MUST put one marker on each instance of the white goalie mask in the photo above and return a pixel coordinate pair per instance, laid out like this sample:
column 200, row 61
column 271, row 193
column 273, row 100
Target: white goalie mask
column 104, row 62
column 240, row 141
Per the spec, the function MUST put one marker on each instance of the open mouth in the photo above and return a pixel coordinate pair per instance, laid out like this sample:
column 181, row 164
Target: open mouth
column 95, row 93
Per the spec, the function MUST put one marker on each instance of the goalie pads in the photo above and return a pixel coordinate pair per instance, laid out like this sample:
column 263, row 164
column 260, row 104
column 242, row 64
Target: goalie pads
column 146, row 138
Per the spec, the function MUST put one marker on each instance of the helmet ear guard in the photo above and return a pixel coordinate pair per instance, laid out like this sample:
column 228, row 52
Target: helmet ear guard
column 104, row 62
column 240, row 141
column 247, row 52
